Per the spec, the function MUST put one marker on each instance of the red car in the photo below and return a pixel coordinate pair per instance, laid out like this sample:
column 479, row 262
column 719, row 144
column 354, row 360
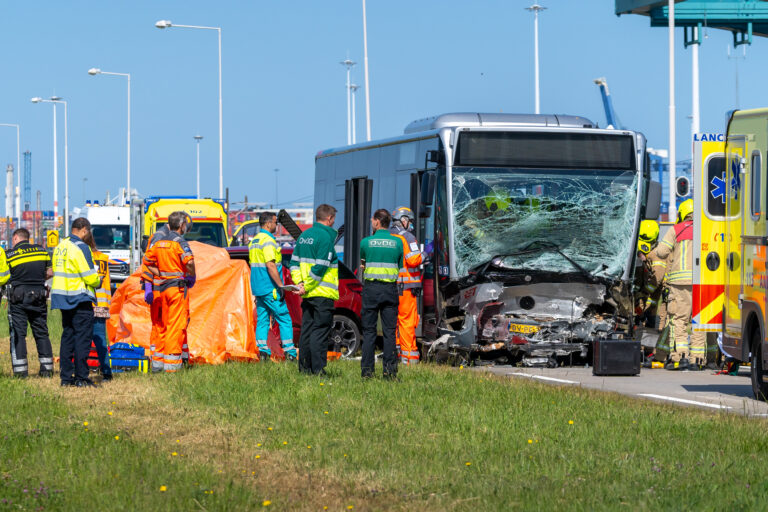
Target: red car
column 346, row 334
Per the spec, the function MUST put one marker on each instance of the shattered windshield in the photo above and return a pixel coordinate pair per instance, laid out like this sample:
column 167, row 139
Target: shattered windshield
column 584, row 215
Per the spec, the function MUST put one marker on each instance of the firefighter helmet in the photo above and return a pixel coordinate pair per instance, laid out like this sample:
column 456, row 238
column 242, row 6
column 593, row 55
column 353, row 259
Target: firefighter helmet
column 403, row 211
column 685, row 209
column 649, row 233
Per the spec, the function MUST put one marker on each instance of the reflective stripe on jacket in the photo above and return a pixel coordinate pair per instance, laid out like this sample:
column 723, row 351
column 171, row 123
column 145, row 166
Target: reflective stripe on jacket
column 410, row 273
column 103, row 292
column 262, row 249
column 315, row 263
column 677, row 249
column 74, row 275
column 383, row 255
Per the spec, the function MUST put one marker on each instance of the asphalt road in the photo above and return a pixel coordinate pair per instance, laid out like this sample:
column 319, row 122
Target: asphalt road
column 722, row 393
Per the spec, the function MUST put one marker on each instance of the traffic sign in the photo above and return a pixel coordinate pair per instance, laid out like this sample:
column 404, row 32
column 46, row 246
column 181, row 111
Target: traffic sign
column 52, row 238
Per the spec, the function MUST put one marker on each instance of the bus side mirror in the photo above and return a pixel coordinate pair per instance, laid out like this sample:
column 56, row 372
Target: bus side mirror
column 428, row 181
column 653, row 201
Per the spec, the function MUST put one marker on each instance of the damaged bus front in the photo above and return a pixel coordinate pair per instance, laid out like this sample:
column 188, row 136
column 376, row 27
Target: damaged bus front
column 535, row 237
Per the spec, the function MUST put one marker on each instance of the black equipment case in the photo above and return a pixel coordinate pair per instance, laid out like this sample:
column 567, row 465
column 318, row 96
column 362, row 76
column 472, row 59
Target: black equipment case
column 616, row 357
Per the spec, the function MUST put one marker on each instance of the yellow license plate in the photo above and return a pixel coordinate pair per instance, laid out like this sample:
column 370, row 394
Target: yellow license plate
column 523, row 328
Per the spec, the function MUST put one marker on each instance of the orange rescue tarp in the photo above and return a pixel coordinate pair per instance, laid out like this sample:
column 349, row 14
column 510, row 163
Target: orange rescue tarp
column 221, row 325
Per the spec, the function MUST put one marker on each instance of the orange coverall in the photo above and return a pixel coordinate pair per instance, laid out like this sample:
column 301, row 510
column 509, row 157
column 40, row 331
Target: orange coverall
column 409, row 281
column 169, row 254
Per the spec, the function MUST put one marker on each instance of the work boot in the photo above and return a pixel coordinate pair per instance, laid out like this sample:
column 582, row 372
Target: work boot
column 648, row 362
column 106, row 376
column 264, row 357
column 67, row 384
column 88, row 383
column 676, row 365
column 391, row 377
column 20, row 375
column 46, row 374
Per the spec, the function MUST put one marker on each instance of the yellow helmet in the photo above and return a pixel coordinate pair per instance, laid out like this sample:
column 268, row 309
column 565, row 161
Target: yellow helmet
column 685, row 209
column 498, row 200
column 646, row 238
column 403, row 211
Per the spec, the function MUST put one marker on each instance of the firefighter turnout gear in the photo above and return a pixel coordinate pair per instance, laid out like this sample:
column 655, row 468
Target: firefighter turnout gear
column 101, row 312
column 26, row 269
column 677, row 249
column 270, row 301
column 315, row 265
column 72, row 291
column 382, row 254
column 409, row 280
column 169, row 254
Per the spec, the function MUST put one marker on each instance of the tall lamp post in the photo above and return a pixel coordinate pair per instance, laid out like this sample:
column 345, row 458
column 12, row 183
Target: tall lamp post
column 354, row 88
column 55, row 100
column 167, row 24
column 84, row 181
column 276, row 173
column 535, row 8
column 97, row 71
column 18, row 170
column 367, row 84
column 348, row 64
column 198, row 138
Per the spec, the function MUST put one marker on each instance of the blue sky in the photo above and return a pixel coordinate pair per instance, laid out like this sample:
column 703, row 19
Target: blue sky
column 283, row 86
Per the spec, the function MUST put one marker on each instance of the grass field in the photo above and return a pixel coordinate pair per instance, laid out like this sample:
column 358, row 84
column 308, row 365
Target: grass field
column 244, row 436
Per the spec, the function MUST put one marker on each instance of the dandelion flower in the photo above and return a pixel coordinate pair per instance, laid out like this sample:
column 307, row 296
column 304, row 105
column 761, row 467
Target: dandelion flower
column 117, row 438
column 258, row 445
column 266, row 503
column 178, row 441
column 269, row 428
column 325, row 508
column 174, row 454
column 570, row 422
column 163, row 488
column 350, row 507
column 309, row 447
column 530, row 441
column 113, row 403
column 285, row 443
column 467, row 463
column 461, row 367
column 322, row 384
column 325, row 412
column 257, row 457
column 86, row 430
column 85, row 423
column 110, row 413
column 253, row 472
column 345, row 454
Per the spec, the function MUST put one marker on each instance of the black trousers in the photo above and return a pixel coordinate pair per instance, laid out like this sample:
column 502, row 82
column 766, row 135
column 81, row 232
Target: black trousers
column 379, row 298
column 316, row 323
column 36, row 315
column 76, row 336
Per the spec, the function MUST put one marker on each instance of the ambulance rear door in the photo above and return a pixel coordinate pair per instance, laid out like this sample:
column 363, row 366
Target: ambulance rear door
column 735, row 149
column 709, row 264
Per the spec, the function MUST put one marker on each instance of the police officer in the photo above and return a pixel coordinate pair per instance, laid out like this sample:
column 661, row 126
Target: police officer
column 267, row 285
column 381, row 256
column 30, row 266
column 315, row 269
column 72, row 291
column 410, row 285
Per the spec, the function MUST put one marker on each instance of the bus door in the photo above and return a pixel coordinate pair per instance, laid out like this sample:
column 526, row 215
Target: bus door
column 709, row 227
column 734, row 176
column 358, row 194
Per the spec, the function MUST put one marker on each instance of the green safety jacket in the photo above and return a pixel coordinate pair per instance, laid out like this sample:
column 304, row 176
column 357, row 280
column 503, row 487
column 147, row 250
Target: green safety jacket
column 315, row 263
column 383, row 255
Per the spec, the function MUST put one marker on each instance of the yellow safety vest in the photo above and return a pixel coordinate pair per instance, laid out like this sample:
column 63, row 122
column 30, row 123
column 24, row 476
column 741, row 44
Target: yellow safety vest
column 74, row 279
column 103, row 292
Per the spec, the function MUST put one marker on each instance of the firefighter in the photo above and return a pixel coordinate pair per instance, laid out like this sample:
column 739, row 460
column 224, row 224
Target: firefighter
column 677, row 249
column 72, row 291
column 28, row 266
column 381, row 256
column 267, row 285
column 170, row 262
column 410, row 285
column 315, row 270
column 101, row 309
column 651, row 276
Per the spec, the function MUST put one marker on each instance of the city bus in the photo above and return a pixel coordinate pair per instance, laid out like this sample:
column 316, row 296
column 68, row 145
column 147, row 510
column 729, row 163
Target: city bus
column 528, row 225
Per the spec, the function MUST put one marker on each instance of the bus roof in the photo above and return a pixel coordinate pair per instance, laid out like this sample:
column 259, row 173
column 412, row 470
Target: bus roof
column 431, row 126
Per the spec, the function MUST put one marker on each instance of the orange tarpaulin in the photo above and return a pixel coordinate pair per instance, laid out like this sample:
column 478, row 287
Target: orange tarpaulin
column 221, row 325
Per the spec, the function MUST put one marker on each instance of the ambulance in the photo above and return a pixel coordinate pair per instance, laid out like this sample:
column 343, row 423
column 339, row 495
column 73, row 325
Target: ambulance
column 729, row 292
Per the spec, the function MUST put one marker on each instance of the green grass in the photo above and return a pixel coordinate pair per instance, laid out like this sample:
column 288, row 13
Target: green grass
column 440, row 439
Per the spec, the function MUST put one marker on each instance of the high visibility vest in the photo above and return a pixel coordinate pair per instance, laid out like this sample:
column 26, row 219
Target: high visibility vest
column 410, row 273
column 5, row 271
column 74, row 276
column 315, row 263
column 383, row 255
column 103, row 292
column 262, row 249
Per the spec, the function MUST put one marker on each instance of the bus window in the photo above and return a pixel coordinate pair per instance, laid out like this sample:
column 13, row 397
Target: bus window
column 716, row 179
column 757, row 171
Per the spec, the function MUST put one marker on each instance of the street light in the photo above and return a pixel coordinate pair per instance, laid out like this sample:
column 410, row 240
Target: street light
column 198, row 138
column 18, row 170
column 84, row 180
column 167, row 24
column 367, row 85
column 97, row 71
column 535, row 8
column 276, row 171
column 55, row 100
column 348, row 64
column 354, row 88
